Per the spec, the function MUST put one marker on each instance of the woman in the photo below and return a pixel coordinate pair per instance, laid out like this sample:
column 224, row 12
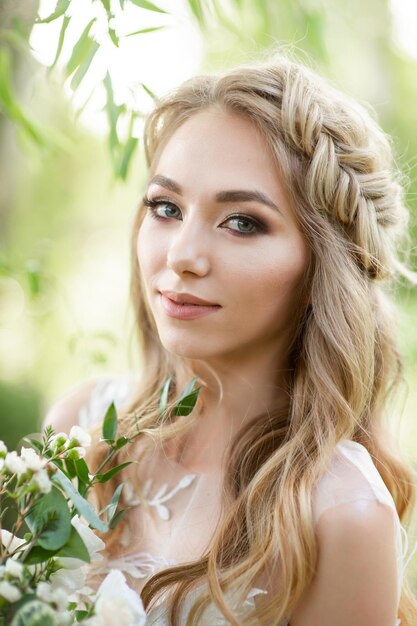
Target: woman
column 262, row 250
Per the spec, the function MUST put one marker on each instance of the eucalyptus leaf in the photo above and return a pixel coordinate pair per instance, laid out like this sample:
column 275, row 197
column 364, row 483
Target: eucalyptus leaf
column 34, row 613
column 83, row 507
column 163, row 401
column 188, row 388
column 114, row 502
column 186, row 404
column 52, row 519
column 75, row 547
column 103, row 478
column 109, row 428
column 38, row 555
column 117, row 518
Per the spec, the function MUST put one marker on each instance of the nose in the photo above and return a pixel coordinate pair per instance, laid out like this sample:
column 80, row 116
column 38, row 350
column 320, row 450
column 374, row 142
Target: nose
column 189, row 249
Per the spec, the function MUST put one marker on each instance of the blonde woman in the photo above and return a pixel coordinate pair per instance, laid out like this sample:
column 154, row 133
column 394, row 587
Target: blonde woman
column 261, row 255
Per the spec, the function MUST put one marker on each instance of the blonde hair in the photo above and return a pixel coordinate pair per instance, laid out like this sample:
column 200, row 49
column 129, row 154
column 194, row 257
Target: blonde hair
column 338, row 169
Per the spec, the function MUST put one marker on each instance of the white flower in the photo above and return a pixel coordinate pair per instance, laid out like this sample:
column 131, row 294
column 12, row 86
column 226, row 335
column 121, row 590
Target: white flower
column 93, row 544
column 117, row 603
column 51, row 595
column 3, row 449
column 14, row 463
column 14, row 568
column 1, row 463
column 42, row 480
column 33, row 461
column 70, row 580
column 80, row 437
column 9, row 592
column 9, row 541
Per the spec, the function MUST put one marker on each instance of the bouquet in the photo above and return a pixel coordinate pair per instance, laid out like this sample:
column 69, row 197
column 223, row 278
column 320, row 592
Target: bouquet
column 44, row 557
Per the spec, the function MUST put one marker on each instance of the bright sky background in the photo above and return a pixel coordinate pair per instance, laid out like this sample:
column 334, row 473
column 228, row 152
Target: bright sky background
column 160, row 59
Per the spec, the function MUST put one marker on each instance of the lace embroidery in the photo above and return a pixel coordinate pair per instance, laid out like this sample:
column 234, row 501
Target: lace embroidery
column 158, row 499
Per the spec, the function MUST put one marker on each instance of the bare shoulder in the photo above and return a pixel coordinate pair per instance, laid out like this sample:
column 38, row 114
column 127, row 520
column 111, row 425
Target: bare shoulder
column 64, row 411
column 356, row 576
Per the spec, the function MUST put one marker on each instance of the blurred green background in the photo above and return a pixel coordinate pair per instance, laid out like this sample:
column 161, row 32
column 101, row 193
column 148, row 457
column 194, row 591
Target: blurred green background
column 72, row 168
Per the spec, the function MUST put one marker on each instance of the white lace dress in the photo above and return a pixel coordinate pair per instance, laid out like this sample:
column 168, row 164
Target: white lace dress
column 175, row 505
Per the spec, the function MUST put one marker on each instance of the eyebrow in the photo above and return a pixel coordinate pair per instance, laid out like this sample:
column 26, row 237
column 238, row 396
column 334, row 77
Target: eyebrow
column 232, row 195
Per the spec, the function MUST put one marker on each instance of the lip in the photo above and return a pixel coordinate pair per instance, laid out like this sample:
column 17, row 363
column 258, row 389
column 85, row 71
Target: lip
column 186, row 311
column 186, row 298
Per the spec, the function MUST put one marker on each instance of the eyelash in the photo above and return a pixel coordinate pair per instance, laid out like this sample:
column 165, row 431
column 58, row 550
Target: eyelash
column 152, row 205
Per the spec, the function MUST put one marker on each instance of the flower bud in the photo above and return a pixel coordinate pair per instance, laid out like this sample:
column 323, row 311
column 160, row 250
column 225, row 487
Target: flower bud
column 15, row 464
column 73, row 454
column 3, row 449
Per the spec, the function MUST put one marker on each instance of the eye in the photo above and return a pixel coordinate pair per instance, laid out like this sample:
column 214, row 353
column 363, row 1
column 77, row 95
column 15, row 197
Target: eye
column 246, row 225
column 161, row 209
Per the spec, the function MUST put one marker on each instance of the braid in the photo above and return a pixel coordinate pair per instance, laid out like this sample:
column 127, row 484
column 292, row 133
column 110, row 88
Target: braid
column 348, row 169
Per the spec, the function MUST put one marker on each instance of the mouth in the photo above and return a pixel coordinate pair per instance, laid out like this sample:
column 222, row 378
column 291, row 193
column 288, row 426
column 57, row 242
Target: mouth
column 186, row 299
column 186, row 310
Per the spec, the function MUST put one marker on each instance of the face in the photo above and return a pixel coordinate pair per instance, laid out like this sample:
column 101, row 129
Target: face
column 219, row 227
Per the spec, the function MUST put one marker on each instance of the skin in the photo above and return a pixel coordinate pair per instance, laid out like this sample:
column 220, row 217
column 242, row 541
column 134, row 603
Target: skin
column 196, row 247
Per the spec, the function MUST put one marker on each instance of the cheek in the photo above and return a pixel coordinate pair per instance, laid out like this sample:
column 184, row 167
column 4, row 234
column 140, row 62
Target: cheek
column 146, row 249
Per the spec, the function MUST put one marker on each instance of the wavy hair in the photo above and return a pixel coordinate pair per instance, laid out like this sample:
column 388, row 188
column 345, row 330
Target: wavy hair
column 348, row 197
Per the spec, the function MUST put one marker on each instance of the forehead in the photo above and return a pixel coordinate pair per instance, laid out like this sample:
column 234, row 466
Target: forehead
column 214, row 147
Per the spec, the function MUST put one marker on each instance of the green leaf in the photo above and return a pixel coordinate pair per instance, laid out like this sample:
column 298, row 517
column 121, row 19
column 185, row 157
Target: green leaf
column 144, row 30
column 121, row 442
column 70, row 468
column 34, row 443
column 187, row 399
column 80, row 614
column 61, row 7
column 103, row 478
column 51, row 517
column 38, row 555
column 188, row 388
column 114, row 37
column 163, row 401
column 109, row 428
column 106, row 5
column 114, row 502
column 197, row 10
column 83, row 507
column 81, row 469
column 75, row 547
column 91, row 49
column 145, row 4
column 62, row 32
column 113, row 112
column 127, row 153
column 81, row 49
column 116, row 519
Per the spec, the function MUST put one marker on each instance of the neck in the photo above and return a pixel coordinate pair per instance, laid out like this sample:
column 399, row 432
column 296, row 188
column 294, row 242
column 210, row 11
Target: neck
column 232, row 393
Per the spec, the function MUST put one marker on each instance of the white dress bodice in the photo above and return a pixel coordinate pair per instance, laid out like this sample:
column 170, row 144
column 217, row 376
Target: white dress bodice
column 181, row 509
